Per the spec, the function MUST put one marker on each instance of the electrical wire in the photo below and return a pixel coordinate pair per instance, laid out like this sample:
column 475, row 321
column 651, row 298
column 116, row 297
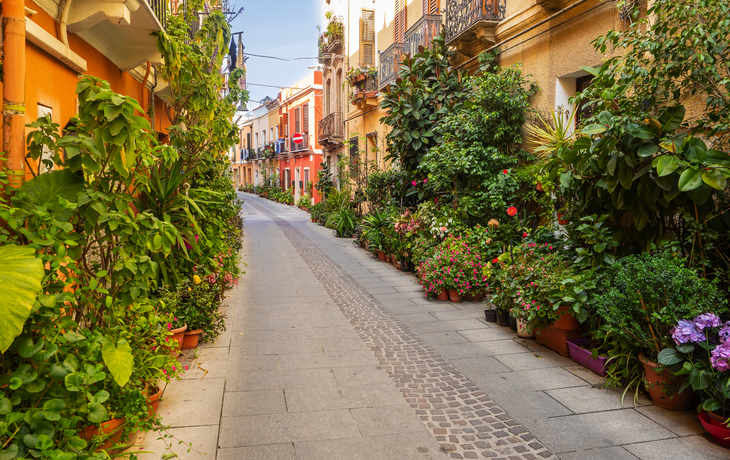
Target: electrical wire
column 279, row 58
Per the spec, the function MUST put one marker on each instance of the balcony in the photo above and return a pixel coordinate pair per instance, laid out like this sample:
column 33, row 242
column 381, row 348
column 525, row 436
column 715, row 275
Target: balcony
column 331, row 130
column 422, row 33
column 390, row 61
column 365, row 95
column 333, row 36
column 471, row 24
column 120, row 29
column 303, row 147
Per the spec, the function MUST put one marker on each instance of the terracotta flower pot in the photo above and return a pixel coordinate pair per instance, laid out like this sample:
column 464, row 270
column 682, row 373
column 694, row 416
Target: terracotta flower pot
column 522, row 330
column 566, row 321
column 443, row 295
column 113, row 428
column 381, row 255
column 720, row 433
column 153, row 401
column 387, row 258
column 662, row 387
column 454, row 296
column 175, row 342
column 191, row 339
column 556, row 339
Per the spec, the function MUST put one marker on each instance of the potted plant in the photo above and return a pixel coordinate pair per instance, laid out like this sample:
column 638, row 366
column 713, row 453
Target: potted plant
column 702, row 354
column 644, row 298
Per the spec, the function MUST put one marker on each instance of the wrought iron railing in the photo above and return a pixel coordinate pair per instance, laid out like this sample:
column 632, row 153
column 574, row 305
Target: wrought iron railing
column 421, row 33
column 390, row 60
column 331, row 127
column 161, row 9
column 461, row 15
column 304, row 145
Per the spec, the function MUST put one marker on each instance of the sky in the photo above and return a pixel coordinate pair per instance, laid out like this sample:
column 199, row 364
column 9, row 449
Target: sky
column 280, row 28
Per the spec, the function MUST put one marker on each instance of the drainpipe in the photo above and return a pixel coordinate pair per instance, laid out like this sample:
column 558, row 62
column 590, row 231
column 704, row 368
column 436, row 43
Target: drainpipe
column 64, row 21
column 14, row 89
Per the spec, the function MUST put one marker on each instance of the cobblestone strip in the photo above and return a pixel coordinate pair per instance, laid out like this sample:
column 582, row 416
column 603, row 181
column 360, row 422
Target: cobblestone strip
column 462, row 418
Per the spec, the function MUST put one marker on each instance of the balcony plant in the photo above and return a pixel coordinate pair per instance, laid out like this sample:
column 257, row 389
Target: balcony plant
column 356, row 75
column 702, row 354
column 644, row 297
column 334, row 28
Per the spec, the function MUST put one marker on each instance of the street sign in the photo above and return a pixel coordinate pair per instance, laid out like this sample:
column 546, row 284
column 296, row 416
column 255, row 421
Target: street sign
column 297, row 138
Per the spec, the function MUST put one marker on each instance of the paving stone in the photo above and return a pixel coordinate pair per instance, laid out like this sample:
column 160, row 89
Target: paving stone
column 598, row 429
column 686, row 448
column 606, row 453
column 202, row 438
column 411, row 446
column 385, row 420
column 237, row 403
column 682, row 423
column 268, row 452
column 342, row 397
column 205, row 395
column 588, row 399
column 283, row 428
column 532, row 360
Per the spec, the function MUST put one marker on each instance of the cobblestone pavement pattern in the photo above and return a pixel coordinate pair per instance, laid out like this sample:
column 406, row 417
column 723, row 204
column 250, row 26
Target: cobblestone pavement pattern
column 464, row 420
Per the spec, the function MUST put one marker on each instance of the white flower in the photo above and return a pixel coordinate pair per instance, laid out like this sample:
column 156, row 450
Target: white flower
column 449, row 220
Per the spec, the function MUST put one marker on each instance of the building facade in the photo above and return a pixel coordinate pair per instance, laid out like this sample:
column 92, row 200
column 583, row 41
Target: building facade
column 300, row 113
column 549, row 39
column 48, row 44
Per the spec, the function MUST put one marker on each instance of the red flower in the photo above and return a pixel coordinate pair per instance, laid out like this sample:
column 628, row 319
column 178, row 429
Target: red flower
column 524, row 235
column 495, row 260
column 505, row 171
column 511, row 211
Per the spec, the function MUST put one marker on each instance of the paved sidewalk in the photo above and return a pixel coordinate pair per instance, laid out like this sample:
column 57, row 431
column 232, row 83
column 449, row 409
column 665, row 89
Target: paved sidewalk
column 331, row 354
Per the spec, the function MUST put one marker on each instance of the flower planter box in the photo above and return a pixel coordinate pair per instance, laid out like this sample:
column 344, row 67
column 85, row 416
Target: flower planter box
column 585, row 358
column 359, row 78
column 556, row 339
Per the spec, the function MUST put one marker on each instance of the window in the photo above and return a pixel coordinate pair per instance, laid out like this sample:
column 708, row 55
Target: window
column 297, row 120
column 328, row 98
column 354, row 148
column 367, row 37
column 248, row 140
column 338, row 88
column 581, row 83
column 305, row 118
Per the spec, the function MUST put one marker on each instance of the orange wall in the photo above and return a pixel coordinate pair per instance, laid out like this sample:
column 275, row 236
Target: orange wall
column 51, row 83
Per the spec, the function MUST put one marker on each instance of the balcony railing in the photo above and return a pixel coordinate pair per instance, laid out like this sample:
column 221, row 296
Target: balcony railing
column 462, row 15
column 421, row 33
column 331, row 128
column 294, row 147
column 390, row 60
column 161, row 9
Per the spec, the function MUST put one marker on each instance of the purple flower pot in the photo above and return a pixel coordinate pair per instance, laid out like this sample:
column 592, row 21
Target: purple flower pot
column 582, row 356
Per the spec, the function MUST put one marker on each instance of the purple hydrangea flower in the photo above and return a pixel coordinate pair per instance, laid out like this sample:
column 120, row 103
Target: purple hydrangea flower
column 686, row 331
column 720, row 357
column 725, row 333
column 706, row 320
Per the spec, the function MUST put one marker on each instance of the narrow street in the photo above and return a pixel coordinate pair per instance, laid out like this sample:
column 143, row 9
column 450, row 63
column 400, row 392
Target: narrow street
column 331, row 354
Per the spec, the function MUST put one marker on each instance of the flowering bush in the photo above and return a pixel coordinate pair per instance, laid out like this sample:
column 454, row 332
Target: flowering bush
column 527, row 280
column 454, row 265
column 702, row 352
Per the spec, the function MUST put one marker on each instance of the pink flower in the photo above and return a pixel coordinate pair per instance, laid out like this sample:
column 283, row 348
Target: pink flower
column 414, row 183
column 425, row 181
column 524, row 235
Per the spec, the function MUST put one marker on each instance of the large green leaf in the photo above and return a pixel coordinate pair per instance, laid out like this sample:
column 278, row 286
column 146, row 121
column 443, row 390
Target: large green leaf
column 672, row 118
column 714, row 179
column 21, row 274
column 43, row 188
column 118, row 359
column 690, row 179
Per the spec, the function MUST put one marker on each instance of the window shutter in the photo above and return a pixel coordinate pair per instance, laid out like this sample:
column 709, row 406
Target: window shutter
column 305, row 118
column 400, row 20
column 430, row 6
column 367, row 38
column 296, row 120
